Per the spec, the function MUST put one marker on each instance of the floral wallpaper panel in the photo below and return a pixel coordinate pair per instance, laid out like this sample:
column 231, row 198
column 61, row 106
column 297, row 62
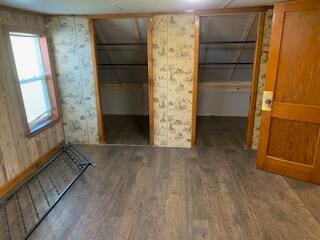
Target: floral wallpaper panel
column 73, row 65
column 262, row 77
column 173, row 52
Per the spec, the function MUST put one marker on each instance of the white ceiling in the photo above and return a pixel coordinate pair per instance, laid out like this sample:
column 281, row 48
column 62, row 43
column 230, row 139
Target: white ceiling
column 119, row 6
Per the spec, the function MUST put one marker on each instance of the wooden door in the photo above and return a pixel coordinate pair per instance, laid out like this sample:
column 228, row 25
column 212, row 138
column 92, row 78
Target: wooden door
column 290, row 128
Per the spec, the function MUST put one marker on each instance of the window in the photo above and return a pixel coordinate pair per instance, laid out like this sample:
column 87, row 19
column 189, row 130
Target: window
column 31, row 59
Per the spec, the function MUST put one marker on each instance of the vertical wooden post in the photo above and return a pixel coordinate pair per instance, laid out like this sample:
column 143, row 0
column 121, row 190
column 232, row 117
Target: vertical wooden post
column 96, row 81
column 255, row 81
column 150, row 80
column 195, row 79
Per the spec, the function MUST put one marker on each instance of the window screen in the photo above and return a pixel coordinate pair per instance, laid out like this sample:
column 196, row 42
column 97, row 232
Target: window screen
column 31, row 74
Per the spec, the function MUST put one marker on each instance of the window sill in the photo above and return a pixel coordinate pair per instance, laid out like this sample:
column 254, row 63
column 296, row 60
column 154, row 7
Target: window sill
column 41, row 126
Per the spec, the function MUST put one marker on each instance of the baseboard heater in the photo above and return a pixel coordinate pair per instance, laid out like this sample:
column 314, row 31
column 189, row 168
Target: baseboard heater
column 23, row 210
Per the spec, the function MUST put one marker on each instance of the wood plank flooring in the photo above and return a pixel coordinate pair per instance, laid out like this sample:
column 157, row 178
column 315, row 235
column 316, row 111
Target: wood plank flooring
column 221, row 132
column 23, row 209
column 141, row 192
column 125, row 129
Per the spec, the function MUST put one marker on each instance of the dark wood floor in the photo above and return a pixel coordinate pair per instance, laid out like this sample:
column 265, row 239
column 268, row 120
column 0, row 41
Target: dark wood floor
column 22, row 209
column 213, row 132
column 221, row 132
column 125, row 129
column 141, row 192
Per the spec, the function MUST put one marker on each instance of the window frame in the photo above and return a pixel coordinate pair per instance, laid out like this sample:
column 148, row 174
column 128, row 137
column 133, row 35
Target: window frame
column 46, row 58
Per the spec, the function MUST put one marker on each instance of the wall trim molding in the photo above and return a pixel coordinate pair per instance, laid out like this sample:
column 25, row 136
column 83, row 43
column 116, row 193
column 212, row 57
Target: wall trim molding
column 173, row 12
column 176, row 12
column 22, row 11
column 143, row 14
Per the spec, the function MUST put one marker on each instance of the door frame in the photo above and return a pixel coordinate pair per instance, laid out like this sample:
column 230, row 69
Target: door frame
column 255, row 81
column 96, row 78
column 255, row 74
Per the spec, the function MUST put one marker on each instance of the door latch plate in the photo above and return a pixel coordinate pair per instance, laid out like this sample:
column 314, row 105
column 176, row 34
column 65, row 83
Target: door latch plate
column 267, row 100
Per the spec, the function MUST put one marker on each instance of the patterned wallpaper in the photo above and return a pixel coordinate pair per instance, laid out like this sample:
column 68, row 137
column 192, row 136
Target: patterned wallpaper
column 73, row 65
column 262, row 76
column 173, row 56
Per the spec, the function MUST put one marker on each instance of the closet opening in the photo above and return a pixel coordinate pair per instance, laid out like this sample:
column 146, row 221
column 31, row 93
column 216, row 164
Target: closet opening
column 227, row 48
column 122, row 64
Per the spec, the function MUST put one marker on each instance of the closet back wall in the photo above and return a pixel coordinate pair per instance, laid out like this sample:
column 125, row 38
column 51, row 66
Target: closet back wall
column 125, row 102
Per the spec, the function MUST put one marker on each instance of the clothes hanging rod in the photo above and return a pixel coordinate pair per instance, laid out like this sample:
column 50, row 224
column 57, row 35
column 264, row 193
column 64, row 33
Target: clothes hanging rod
column 134, row 44
column 227, row 42
column 202, row 64
column 123, row 64
column 227, row 63
column 118, row 44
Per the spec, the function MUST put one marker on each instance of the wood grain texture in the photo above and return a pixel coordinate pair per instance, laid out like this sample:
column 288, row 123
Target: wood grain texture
column 201, row 12
column 289, row 142
column 21, row 11
column 126, row 129
column 293, row 141
column 221, row 132
column 195, row 79
column 297, row 112
column 299, row 55
column 17, row 151
column 254, row 81
column 97, row 84
column 150, row 80
column 172, row 193
column 23, row 175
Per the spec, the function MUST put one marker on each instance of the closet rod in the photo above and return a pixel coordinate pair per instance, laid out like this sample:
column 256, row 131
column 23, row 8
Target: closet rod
column 134, row 44
column 204, row 64
column 227, row 42
column 227, row 63
column 117, row 44
column 123, row 64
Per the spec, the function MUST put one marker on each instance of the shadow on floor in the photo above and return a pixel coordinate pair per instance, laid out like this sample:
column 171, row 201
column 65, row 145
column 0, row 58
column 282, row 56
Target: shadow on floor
column 221, row 132
column 125, row 129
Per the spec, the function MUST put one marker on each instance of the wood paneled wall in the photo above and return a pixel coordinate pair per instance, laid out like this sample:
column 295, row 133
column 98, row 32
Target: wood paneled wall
column 17, row 153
